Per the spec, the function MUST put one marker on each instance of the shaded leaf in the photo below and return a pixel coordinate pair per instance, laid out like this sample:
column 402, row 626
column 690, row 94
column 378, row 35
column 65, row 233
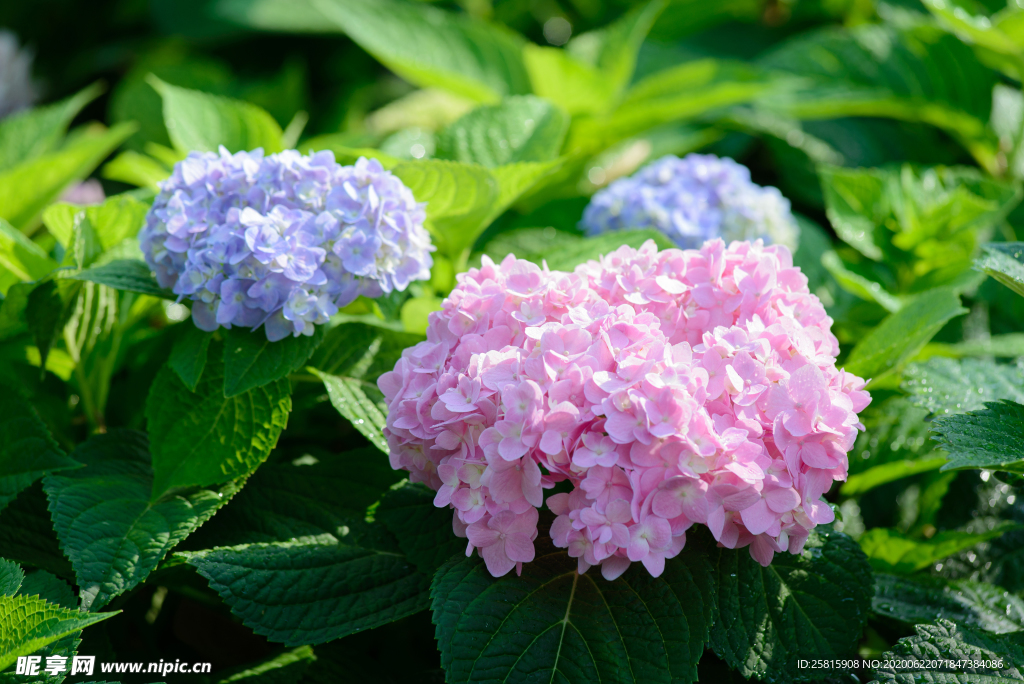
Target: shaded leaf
column 990, row 438
column 348, row 395
column 251, row 360
column 924, row 599
column 362, row 351
column 11, row 577
column 424, row 532
column 129, row 275
column 188, row 355
column 947, row 386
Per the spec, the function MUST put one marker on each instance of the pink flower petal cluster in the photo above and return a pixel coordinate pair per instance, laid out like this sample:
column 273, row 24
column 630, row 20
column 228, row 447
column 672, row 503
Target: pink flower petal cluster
column 666, row 388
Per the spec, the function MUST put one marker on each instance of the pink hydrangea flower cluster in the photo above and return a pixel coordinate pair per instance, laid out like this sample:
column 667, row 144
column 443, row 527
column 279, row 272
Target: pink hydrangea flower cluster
column 668, row 388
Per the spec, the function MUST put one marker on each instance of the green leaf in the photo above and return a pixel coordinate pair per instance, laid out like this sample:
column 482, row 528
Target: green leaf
column 424, row 45
column 459, row 197
column 128, row 275
column 106, row 523
column 1008, row 345
column 117, row 219
column 27, row 451
column 857, row 284
column 552, row 623
column 35, row 132
column 990, row 438
column 892, row 551
column 882, row 474
column 136, row 169
column 567, row 257
column 424, row 532
column 20, row 258
column 1004, row 261
column 27, row 536
column 900, row 336
column 948, row 386
column 200, row 121
column 251, row 360
column 11, row 577
column 976, row 29
column 522, row 128
column 296, row 593
column 28, row 623
column 854, row 205
column 572, row 84
column 530, row 243
column 348, row 396
column 188, row 355
column 49, row 588
column 925, row 599
column 312, row 499
column 945, row 653
column 285, row 668
column 27, row 188
column 681, row 93
column 362, row 351
column 45, row 315
column 203, row 438
column 811, row 605
column 915, row 72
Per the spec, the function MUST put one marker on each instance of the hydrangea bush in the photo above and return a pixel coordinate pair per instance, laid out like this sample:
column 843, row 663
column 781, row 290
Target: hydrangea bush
column 325, row 361
column 668, row 388
column 693, row 199
column 282, row 240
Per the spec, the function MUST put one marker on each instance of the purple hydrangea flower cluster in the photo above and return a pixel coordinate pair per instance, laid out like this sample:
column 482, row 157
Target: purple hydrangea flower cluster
column 692, row 200
column 283, row 240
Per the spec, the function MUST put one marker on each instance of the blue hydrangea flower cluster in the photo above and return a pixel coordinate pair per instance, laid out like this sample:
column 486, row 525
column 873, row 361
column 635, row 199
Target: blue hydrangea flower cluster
column 283, row 240
column 692, row 200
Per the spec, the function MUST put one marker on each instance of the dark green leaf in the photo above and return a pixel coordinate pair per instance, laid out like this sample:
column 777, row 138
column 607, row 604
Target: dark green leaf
column 251, row 360
column 900, row 336
column 310, row 500
column 200, row 121
column 286, row 668
column 812, row 605
column 27, row 536
column 945, row 653
column 554, row 624
column 361, row 351
column 424, row 45
column 948, row 386
column 990, row 438
column 27, row 451
column 424, row 532
column 925, row 599
column 892, row 551
column 129, row 275
column 348, row 395
column 44, row 316
column 188, row 355
column 11, row 577
column 522, row 128
column 203, row 438
column 297, row 593
column 104, row 519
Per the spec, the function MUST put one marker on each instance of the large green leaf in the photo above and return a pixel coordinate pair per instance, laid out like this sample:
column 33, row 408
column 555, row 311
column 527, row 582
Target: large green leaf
column 459, row 198
column 812, row 605
column 20, row 258
column 34, row 132
column 916, row 72
column 522, row 128
column 55, row 591
column 27, row 451
column 892, row 551
column 947, row 386
column 924, row 599
column 11, row 577
column 677, row 94
column 128, row 275
column 946, row 653
column 990, row 438
column 900, row 336
column 117, row 219
column 200, row 121
column 28, row 623
column 106, row 523
column 361, row 351
column 348, row 395
column 188, row 355
column 424, row 45
column 1004, row 261
column 302, row 593
column 553, row 624
column 309, row 500
column 204, row 438
column 424, row 532
column 251, row 360
column 27, row 535
column 25, row 189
